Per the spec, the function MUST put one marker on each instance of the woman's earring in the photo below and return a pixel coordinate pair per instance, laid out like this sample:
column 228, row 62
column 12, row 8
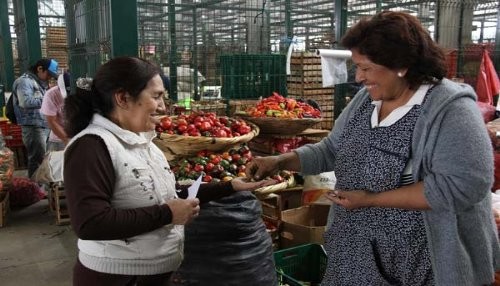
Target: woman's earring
column 400, row 74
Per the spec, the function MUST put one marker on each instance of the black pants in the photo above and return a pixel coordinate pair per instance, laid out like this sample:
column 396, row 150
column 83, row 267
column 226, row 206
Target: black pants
column 82, row 276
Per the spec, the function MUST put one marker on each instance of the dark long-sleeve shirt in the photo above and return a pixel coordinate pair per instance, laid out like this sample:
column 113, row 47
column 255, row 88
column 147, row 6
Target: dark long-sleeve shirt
column 89, row 180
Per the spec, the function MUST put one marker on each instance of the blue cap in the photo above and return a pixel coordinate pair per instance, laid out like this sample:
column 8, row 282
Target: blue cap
column 53, row 68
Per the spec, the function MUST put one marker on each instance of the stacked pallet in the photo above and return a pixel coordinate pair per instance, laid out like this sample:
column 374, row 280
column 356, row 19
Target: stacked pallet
column 305, row 82
column 57, row 45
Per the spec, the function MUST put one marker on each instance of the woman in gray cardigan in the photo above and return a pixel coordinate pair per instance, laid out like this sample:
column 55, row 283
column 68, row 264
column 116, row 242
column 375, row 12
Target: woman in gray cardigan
column 414, row 167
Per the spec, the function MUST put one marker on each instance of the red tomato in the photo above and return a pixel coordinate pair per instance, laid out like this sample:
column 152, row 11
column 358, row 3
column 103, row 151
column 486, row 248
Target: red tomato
column 220, row 133
column 215, row 160
column 181, row 121
column 182, row 128
column 194, row 133
column 205, row 126
column 207, row 178
column 166, row 123
column 244, row 129
column 236, row 157
column 209, row 167
column 198, row 168
column 224, row 120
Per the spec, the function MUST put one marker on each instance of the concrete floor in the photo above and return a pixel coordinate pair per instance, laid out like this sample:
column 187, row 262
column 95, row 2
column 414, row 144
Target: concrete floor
column 34, row 250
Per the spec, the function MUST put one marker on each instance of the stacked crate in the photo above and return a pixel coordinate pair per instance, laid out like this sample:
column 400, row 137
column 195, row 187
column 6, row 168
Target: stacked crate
column 305, row 82
column 12, row 134
column 4, row 208
column 57, row 46
column 273, row 205
column 57, row 202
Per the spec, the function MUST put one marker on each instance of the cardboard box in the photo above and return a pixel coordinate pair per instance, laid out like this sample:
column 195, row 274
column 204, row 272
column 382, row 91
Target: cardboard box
column 274, row 204
column 303, row 225
column 4, row 208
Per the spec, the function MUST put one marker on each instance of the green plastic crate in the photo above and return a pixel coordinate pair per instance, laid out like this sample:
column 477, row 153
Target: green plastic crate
column 247, row 76
column 301, row 265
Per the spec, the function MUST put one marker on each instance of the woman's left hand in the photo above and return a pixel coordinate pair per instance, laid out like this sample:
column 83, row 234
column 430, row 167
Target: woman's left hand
column 244, row 184
column 351, row 199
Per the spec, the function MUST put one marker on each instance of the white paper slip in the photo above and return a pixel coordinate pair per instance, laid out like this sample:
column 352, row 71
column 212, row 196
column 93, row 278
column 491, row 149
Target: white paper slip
column 193, row 189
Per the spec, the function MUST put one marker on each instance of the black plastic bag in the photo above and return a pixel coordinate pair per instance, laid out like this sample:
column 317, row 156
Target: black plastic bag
column 227, row 244
column 9, row 110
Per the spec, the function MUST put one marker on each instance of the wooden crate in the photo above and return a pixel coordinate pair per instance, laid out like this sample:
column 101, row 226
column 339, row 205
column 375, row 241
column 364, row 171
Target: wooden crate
column 4, row 208
column 57, row 203
column 306, row 82
column 207, row 106
column 57, row 46
column 271, row 206
column 240, row 105
column 325, row 102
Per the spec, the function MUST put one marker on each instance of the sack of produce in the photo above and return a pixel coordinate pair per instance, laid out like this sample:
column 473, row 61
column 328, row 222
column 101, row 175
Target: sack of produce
column 227, row 244
column 24, row 192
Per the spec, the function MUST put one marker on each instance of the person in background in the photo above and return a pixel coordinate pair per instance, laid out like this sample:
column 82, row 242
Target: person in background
column 414, row 167
column 120, row 190
column 52, row 108
column 28, row 91
column 166, row 82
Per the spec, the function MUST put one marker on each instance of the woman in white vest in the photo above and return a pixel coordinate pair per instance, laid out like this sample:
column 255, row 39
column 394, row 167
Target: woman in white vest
column 121, row 193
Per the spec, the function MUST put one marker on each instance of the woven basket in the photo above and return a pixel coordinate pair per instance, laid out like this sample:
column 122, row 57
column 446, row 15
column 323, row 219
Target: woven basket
column 178, row 146
column 276, row 188
column 282, row 126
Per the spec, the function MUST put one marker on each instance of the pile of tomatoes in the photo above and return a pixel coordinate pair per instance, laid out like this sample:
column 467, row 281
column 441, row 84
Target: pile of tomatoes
column 203, row 124
column 214, row 167
column 282, row 107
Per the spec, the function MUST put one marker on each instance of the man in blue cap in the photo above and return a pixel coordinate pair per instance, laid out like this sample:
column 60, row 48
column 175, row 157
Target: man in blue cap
column 28, row 91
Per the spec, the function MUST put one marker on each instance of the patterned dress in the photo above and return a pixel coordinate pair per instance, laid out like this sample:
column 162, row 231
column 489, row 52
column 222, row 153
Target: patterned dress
column 376, row 246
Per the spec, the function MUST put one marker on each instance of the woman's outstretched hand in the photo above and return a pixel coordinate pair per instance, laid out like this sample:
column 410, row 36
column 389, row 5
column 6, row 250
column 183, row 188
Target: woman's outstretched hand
column 244, row 184
column 262, row 167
